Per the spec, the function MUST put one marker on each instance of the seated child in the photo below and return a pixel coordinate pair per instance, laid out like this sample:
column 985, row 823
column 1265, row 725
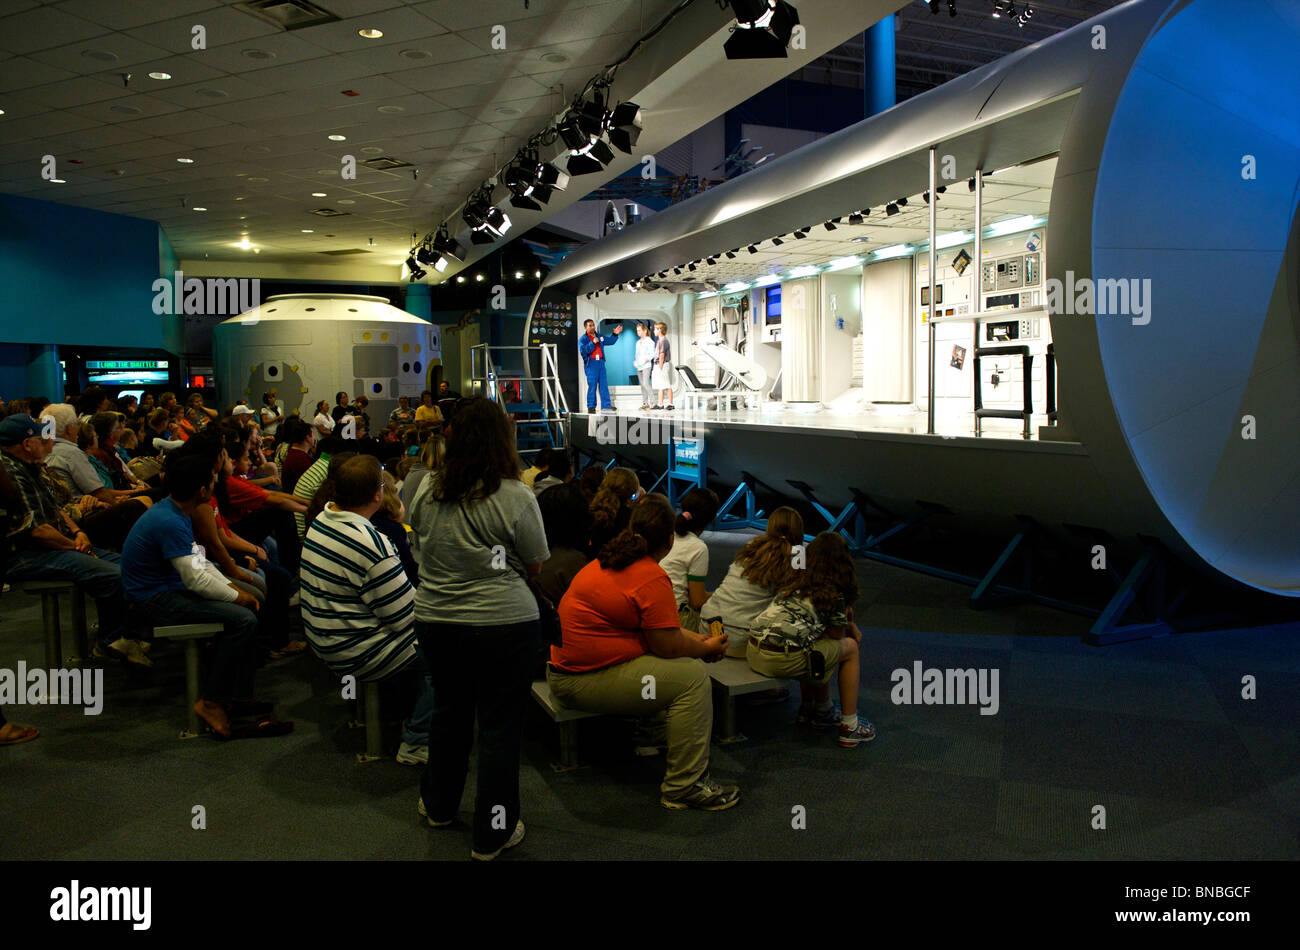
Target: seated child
column 687, row 562
column 761, row 568
column 808, row 631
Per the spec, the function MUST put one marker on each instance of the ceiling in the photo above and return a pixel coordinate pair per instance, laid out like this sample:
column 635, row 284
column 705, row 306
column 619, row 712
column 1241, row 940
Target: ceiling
column 1010, row 193
column 253, row 110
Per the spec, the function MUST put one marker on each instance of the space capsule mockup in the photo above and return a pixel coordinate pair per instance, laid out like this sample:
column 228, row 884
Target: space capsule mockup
column 307, row 347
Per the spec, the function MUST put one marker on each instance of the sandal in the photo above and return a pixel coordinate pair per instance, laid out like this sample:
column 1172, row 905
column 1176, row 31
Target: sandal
column 292, row 648
column 265, row 728
column 214, row 714
column 20, row 734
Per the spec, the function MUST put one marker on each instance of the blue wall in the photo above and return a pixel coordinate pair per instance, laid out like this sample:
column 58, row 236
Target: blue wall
column 74, row 276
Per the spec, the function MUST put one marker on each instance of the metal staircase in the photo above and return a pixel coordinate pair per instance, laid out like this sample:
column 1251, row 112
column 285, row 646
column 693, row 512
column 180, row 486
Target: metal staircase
column 535, row 403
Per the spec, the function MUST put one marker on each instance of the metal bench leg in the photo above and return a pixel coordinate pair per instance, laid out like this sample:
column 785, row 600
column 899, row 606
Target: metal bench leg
column 79, row 627
column 568, row 747
column 727, row 706
column 193, row 728
column 53, row 638
column 374, row 724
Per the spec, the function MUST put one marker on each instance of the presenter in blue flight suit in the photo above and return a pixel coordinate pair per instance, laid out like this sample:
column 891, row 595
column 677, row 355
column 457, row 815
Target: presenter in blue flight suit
column 592, row 348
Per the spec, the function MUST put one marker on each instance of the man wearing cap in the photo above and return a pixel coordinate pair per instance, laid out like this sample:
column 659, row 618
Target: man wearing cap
column 47, row 546
column 592, row 347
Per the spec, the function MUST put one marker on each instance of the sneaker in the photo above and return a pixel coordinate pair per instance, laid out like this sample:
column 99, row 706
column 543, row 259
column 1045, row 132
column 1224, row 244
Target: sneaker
column 515, row 838
column 707, row 795
column 425, row 815
column 409, row 754
column 850, row 739
column 818, row 720
column 130, row 650
column 669, row 408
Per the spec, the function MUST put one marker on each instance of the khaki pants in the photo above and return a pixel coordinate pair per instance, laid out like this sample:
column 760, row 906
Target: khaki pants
column 681, row 690
column 792, row 666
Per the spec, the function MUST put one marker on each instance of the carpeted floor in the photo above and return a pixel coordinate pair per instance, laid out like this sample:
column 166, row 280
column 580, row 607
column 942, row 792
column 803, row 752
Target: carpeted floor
column 1156, row 732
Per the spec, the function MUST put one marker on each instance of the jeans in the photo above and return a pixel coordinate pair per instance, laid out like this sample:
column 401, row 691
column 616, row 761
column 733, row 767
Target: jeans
column 99, row 576
column 483, row 671
column 597, row 381
column 415, row 731
column 230, row 672
column 273, row 618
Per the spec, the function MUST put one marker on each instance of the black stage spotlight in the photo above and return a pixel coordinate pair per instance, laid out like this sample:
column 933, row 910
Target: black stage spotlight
column 763, row 29
column 799, row 235
column 934, row 7
column 777, row 242
column 590, row 159
column 425, row 254
column 487, row 222
column 970, row 185
column 731, row 255
column 677, row 270
column 710, row 261
column 952, row 7
column 925, row 195
column 891, row 209
column 901, row 202
column 417, row 272
column 624, row 125
column 856, row 218
column 831, row 224
column 447, row 248
column 753, row 248
column 691, row 266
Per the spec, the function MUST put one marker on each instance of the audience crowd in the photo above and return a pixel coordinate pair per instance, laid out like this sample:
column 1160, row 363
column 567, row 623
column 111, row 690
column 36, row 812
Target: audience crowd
column 420, row 554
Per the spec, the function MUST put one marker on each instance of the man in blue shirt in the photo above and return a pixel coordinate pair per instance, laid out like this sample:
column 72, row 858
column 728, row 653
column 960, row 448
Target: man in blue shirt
column 163, row 569
column 592, row 348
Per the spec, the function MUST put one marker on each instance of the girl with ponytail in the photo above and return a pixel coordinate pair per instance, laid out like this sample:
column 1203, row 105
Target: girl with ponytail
column 620, row 623
column 611, row 508
column 761, row 568
column 687, row 563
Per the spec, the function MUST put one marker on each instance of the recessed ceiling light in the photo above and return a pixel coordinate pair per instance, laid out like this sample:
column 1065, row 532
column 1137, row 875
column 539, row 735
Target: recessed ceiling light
column 346, row 201
column 102, row 55
column 554, row 57
column 338, row 138
column 212, row 93
column 58, row 181
column 259, row 180
column 472, row 148
column 416, row 54
column 308, row 231
column 368, row 150
column 370, row 34
column 507, row 110
column 160, row 75
column 185, row 161
column 319, row 194
column 2, row 111
column 197, row 208
column 257, row 54
column 239, row 197
column 392, row 110
column 125, row 110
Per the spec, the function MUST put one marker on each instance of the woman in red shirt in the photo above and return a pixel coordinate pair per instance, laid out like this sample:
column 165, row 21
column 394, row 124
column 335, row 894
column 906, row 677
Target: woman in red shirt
column 625, row 653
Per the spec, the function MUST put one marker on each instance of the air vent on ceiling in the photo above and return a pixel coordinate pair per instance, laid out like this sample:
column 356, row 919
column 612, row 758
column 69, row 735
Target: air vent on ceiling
column 288, row 14
column 385, row 161
column 327, row 212
column 351, row 250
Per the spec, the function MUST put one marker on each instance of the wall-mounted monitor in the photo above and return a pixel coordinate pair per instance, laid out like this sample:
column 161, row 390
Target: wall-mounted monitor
column 127, row 372
column 773, row 305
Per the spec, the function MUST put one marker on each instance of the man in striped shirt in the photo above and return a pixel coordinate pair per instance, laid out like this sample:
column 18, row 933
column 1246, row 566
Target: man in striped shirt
column 310, row 480
column 358, row 608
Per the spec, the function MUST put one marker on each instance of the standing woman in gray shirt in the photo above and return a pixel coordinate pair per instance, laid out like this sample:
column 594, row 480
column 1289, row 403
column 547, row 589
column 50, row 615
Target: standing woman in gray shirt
column 480, row 534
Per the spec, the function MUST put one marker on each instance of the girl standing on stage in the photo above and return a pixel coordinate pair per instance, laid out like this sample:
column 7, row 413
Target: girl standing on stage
column 663, row 364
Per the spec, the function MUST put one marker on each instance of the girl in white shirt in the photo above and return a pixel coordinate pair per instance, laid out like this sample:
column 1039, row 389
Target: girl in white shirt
column 324, row 422
column 687, row 562
column 761, row 568
column 643, row 360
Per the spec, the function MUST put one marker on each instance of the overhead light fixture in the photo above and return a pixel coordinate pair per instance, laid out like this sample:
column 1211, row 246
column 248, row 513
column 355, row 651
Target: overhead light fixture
column 338, row 138
column 710, row 261
column 934, row 7
column 691, row 266
column 901, row 202
column 532, row 182
column 319, row 194
column 767, row 279
column 537, row 274
column 460, row 278
column 831, row 224
column 200, row 209
column 952, row 7
column 970, row 185
column 763, row 29
column 753, row 249
column 185, row 161
column 370, row 34
column 894, row 250
column 730, row 255
column 581, row 129
column 1010, row 226
column 487, row 223
column 160, row 76
column 735, row 285
column 776, row 241
column 799, row 235
column 447, row 248
column 308, row 231
column 806, row 271
column 624, row 125
column 416, row 271
column 479, row 278
column 856, row 219
column 843, row 263
column 891, row 209
column 952, row 239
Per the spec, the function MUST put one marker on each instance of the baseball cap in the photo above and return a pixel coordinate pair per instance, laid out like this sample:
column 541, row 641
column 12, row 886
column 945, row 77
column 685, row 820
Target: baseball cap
column 241, row 411
column 17, row 427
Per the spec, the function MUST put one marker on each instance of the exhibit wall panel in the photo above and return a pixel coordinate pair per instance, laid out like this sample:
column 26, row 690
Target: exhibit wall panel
column 800, row 340
column 706, row 310
column 841, row 322
column 887, row 331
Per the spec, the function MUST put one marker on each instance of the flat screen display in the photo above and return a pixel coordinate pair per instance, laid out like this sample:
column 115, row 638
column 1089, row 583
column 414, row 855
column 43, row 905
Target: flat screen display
column 127, row 372
column 773, row 305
